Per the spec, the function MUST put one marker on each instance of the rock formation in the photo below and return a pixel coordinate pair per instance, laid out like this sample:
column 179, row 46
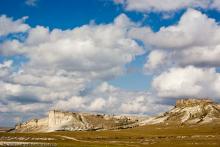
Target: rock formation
column 186, row 111
column 193, row 102
column 70, row 121
column 6, row 129
column 189, row 111
column 33, row 125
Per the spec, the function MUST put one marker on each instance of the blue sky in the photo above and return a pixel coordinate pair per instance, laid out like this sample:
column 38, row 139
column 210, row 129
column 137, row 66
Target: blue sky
column 70, row 14
column 111, row 56
column 62, row 14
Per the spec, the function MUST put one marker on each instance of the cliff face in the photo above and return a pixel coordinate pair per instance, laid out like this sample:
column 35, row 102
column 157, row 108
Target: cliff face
column 6, row 129
column 186, row 111
column 58, row 120
column 193, row 102
column 70, row 121
column 190, row 111
column 33, row 125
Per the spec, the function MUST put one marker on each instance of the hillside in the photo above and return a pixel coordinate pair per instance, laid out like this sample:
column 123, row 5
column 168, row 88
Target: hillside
column 71, row 121
column 204, row 135
column 189, row 111
column 6, row 129
column 186, row 111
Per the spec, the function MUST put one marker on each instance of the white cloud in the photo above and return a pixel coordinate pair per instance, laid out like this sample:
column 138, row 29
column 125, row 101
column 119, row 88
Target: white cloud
column 62, row 63
column 194, row 40
column 155, row 60
column 8, row 25
column 149, row 105
column 97, row 104
column 136, row 105
column 119, row 1
column 193, row 29
column 119, row 102
column 166, row 5
column 215, row 4
column 200, row 56
column 123, row 101
column 31, row 2
column 91, row 49
column 9, row 89
column 5, row 69
column 187, row 82
column 207, row 56
column 9, row 48
column 112, row 100
column 73, row 103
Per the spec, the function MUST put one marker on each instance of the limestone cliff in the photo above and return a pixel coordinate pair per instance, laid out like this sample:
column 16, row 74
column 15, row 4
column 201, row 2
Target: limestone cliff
column 33, row 125
column 189, row 111
column 186, row 111
column 193, row 102
column 59, row 120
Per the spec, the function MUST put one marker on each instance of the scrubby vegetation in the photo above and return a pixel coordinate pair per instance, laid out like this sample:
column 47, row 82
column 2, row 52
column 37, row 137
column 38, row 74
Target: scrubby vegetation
column 151, row 135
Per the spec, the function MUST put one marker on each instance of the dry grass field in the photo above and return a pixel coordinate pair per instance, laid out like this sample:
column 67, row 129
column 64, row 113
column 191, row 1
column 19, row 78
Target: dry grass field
column 153, row 136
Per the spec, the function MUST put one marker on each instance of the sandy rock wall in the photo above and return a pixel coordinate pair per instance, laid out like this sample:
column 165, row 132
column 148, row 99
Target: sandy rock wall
column 192, row 102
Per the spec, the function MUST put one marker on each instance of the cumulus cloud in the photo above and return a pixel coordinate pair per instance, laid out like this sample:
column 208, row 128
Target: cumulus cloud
column 194, row 40
column 8, row 25
column 76, row 103
column 184, row 56
column 166, row 5
column 200, row 56
column 215, row 4
column 67, row 69
column 103, row 98
column 196, row 56
column 187, row 82
column 91, row 49
column 118, row 1
column 9, row 48
column 5, row 69
column 62, row 63
column 109, row 99
column 31, row 2
column 98, row 104
column 65, row 61
column 193, row 29
column 155, row 61
column 138, row 104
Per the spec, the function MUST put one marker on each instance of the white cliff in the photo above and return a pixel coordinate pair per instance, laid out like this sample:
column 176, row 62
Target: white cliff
column 189, row 111
column 71, row 121
column 186, row 111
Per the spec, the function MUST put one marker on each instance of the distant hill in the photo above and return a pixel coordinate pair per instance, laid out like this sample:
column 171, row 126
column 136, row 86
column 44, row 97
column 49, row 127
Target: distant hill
column 71, row 121
column 189, row 111
column 6, row 129
column 186, row 111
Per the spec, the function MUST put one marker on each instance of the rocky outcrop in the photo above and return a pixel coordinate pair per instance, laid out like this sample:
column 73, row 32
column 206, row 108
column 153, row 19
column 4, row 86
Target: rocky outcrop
column 193, row 102
column 189, row 111
column 33, row 125
column 6, row 129
column 186, row 111
column 71, row 121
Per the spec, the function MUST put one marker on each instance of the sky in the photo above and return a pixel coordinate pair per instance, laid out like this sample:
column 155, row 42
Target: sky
column 106, row 56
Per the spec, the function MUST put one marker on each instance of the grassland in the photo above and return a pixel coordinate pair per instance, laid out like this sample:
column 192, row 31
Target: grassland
column 154, row 135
